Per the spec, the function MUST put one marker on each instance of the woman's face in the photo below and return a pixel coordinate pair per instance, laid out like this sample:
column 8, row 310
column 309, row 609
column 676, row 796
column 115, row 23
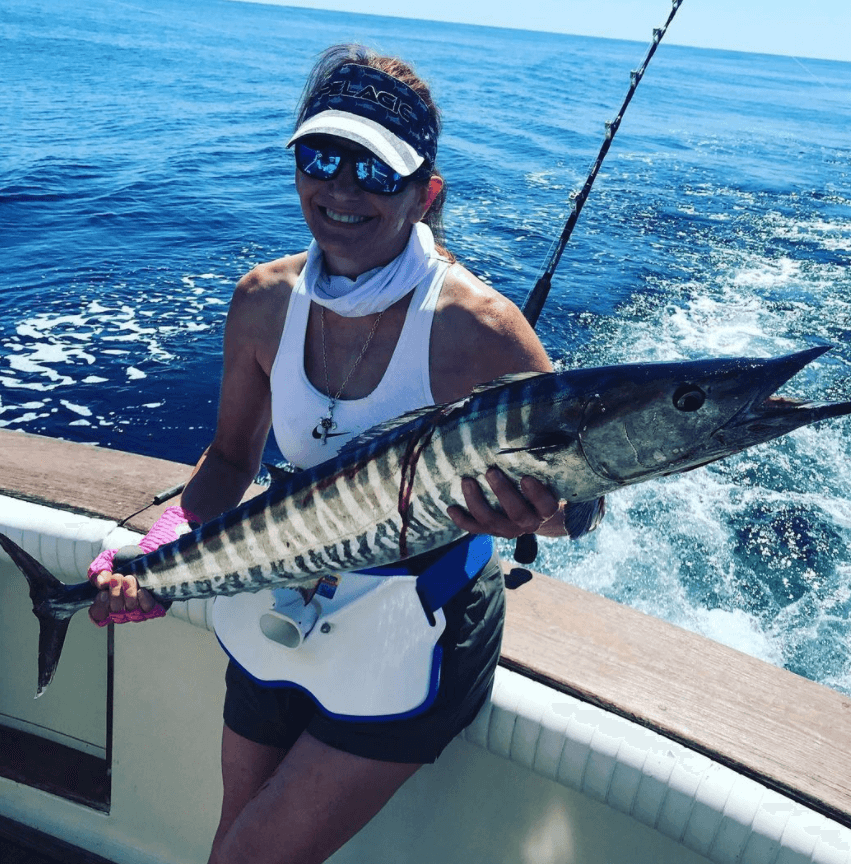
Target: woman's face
column 358, row 230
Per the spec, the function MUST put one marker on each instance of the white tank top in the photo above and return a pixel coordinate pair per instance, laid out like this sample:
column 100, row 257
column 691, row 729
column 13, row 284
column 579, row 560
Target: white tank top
column 297, row 405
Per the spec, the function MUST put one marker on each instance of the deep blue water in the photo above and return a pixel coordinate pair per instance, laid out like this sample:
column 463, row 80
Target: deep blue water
column 143, row 170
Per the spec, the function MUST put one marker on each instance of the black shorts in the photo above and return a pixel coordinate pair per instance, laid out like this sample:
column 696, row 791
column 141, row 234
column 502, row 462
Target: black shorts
column 276, row 716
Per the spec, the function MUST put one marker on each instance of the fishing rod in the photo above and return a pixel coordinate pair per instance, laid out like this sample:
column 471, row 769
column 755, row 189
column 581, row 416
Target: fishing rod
column 538, row 295
column 526, row 547
column 159, row 498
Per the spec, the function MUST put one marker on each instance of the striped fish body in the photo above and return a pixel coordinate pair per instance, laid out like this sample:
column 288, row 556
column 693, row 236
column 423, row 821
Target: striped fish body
column 582, row 433
column 381, row 500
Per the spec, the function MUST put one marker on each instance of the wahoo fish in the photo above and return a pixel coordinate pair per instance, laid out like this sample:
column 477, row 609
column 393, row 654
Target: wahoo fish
column 383, row 498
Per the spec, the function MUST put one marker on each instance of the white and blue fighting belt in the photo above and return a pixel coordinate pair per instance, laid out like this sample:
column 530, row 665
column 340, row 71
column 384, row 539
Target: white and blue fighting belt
column 364, row 647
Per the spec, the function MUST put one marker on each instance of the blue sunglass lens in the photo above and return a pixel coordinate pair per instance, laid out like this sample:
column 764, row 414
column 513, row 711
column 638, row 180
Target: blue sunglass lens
column 321, row 164
column 376, row 176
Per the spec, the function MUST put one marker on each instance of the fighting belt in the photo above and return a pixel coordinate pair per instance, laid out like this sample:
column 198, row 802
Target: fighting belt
column 366, row 646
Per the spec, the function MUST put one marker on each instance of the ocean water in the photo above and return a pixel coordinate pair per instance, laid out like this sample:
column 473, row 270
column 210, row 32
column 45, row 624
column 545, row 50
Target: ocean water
column 143, row 170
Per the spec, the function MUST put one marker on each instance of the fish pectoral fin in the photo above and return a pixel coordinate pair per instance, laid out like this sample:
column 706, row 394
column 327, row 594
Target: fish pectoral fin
column 584, row 517
column 543, row 444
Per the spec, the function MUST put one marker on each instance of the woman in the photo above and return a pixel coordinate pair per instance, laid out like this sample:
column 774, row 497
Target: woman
column 371, row 321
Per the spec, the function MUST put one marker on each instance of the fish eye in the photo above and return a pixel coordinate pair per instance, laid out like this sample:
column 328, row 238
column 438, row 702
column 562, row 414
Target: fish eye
column 689, row 397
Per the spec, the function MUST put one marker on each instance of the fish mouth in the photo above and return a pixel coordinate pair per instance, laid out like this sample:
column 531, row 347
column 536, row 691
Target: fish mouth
column 766, row 415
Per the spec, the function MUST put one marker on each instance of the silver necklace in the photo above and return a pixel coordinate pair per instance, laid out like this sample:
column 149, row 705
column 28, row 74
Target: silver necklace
column 326, row 424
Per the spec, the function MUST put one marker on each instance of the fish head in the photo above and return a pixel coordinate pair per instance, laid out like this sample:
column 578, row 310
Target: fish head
column 646, row 420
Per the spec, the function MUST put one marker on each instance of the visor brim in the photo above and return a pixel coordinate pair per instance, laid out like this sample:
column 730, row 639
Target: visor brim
column 398, row 154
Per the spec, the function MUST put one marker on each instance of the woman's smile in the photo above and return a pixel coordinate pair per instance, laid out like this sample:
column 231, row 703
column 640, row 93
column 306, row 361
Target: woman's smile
column 345, row 218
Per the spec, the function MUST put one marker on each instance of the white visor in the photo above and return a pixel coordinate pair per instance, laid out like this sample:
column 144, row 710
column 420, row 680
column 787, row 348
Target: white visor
column 398, row 154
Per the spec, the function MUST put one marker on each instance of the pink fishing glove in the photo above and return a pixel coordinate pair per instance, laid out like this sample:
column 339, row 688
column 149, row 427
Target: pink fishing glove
column 173, row 523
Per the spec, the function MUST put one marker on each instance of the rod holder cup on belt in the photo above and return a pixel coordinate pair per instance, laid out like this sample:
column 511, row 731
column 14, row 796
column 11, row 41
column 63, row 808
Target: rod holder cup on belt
column 289, row 623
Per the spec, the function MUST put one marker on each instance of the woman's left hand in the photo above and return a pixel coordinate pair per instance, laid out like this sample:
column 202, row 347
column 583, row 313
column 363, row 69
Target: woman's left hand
column 527, row 510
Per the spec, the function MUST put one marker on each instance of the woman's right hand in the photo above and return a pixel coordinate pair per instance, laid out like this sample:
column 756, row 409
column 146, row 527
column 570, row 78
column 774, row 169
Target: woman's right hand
column 120, row 600
column 119, row 597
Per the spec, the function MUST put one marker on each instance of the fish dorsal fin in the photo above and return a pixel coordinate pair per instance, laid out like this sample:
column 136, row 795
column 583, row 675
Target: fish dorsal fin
column 409, row 418
column 503, row 380
column 279, row 473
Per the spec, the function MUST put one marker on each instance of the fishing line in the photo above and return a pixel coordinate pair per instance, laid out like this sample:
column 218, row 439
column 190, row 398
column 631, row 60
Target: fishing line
column 526, row 547
column 815, row 77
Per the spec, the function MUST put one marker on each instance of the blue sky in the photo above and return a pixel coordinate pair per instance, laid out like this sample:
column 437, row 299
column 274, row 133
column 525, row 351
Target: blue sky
column 794, row 27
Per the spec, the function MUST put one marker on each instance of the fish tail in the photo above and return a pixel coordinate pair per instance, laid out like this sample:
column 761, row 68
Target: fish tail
column 54, row 603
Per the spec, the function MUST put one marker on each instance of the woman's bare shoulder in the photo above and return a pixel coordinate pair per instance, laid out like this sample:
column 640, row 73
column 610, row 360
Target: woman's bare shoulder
column 265, row 289
column 272, row 278
column 478, row 335
column 259, row 306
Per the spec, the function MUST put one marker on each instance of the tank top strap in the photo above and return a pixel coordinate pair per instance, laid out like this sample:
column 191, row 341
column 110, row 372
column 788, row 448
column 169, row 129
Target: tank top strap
column 289, row 361
column 415, row 338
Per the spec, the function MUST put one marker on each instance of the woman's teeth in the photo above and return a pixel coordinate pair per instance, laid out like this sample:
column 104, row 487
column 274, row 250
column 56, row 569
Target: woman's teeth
column 349, row 218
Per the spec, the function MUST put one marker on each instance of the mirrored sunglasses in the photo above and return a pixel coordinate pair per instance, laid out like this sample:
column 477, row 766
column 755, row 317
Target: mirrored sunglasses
column 324, row 161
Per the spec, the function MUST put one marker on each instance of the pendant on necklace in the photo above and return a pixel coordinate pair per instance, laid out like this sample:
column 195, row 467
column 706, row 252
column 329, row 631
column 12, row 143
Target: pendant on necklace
column 326, row 424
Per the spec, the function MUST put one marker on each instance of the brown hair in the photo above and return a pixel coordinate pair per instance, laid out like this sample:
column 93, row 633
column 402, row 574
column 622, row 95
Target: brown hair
column 339, row 55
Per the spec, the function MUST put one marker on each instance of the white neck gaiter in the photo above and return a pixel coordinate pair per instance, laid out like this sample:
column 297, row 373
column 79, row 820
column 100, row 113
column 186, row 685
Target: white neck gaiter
column 375, row 290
